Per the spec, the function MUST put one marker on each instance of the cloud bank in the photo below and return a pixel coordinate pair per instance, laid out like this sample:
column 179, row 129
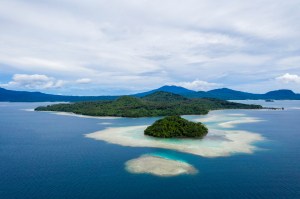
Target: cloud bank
column 135, row 45
column 198, row 85
column 289, row 78
column 84, row 81
column 34, row 82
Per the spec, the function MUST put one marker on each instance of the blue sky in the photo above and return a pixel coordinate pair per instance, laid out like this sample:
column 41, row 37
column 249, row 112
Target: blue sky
column 100, row 47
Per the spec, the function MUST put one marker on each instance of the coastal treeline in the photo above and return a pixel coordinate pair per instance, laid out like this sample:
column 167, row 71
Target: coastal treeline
column 156, row 104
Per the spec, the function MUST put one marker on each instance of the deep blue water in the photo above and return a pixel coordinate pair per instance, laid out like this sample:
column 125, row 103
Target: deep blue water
column 43, row 155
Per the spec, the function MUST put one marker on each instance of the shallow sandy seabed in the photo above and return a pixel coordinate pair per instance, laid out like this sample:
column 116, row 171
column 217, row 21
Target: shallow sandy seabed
column 28, row 109
column 232, row 124
column 227, row 120
column 221, row 141
column 293, row 108
column 105, row 123
column 217, row 143
column 159, row 166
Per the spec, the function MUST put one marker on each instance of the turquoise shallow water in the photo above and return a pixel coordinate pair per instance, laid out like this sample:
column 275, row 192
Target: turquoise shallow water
column 43, row 155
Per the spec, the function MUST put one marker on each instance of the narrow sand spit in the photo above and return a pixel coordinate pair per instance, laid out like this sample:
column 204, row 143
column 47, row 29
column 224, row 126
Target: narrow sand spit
column 232, row 124
column 82, row 116
column 159, row 166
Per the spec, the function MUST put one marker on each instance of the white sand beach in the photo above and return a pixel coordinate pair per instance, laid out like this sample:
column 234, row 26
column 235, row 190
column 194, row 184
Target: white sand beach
column 81, row 116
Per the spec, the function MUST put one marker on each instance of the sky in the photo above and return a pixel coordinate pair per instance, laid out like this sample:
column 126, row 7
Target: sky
column 107, row 47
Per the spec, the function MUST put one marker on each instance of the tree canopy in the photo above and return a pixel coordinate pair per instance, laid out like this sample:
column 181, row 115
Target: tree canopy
column 156, row 104
column 175, row 126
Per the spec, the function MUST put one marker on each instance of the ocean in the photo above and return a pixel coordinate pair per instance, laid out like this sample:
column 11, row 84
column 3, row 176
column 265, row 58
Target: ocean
column 50, row 156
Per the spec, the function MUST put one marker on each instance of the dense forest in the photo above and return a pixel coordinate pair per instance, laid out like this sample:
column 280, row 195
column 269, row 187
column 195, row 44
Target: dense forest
column 155, row 104
column 176, row 127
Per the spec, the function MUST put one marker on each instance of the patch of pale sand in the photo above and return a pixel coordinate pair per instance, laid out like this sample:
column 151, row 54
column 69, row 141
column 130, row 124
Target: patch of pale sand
column 242, row 120
column 218, row 143
column 211, row 118
column 159, row 166
column 105, row 123
column 82, row 116
column 228, row 120
column 215, row 117
column 293, row 108
column 237, row 114
column 28, row 109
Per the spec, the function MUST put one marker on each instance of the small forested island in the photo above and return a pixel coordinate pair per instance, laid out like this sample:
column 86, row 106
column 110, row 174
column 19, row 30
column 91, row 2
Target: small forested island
column 176, row 127
column 155, row 104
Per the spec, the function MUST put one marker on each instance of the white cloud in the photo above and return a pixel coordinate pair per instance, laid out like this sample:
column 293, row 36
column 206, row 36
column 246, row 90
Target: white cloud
column 152, row 42
column 198, row 85
column 289, row 78
column 83, row 81
column 35, row 81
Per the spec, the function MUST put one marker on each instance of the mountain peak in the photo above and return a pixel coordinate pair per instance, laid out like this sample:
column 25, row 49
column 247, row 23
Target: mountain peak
column 222, row 90
column 168, row 88
column 174, row 89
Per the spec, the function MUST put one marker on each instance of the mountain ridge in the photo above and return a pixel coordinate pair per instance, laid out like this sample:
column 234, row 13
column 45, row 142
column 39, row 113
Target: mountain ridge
column 221, row 93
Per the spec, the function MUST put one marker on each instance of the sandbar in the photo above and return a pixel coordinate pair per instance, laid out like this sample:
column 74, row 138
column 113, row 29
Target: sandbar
column 218, row 143
column 159, row 166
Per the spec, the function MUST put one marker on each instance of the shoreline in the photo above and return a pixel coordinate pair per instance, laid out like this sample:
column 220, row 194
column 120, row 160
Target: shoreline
column 117, row 117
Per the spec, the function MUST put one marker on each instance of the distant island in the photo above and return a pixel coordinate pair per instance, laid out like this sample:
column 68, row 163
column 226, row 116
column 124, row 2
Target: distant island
column 176, row 127
column 156, row 104
column 222, row 93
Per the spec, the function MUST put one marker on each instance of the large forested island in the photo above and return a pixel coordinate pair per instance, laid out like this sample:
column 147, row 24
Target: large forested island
column 176, row 127
column 156, row 104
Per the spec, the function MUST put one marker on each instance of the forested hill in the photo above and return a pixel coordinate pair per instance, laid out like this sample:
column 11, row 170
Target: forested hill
column 155, row 104
column 176, row 127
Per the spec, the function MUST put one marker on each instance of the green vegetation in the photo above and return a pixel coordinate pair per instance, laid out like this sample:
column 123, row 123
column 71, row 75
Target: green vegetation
column 175, row 126
column 156, row 104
